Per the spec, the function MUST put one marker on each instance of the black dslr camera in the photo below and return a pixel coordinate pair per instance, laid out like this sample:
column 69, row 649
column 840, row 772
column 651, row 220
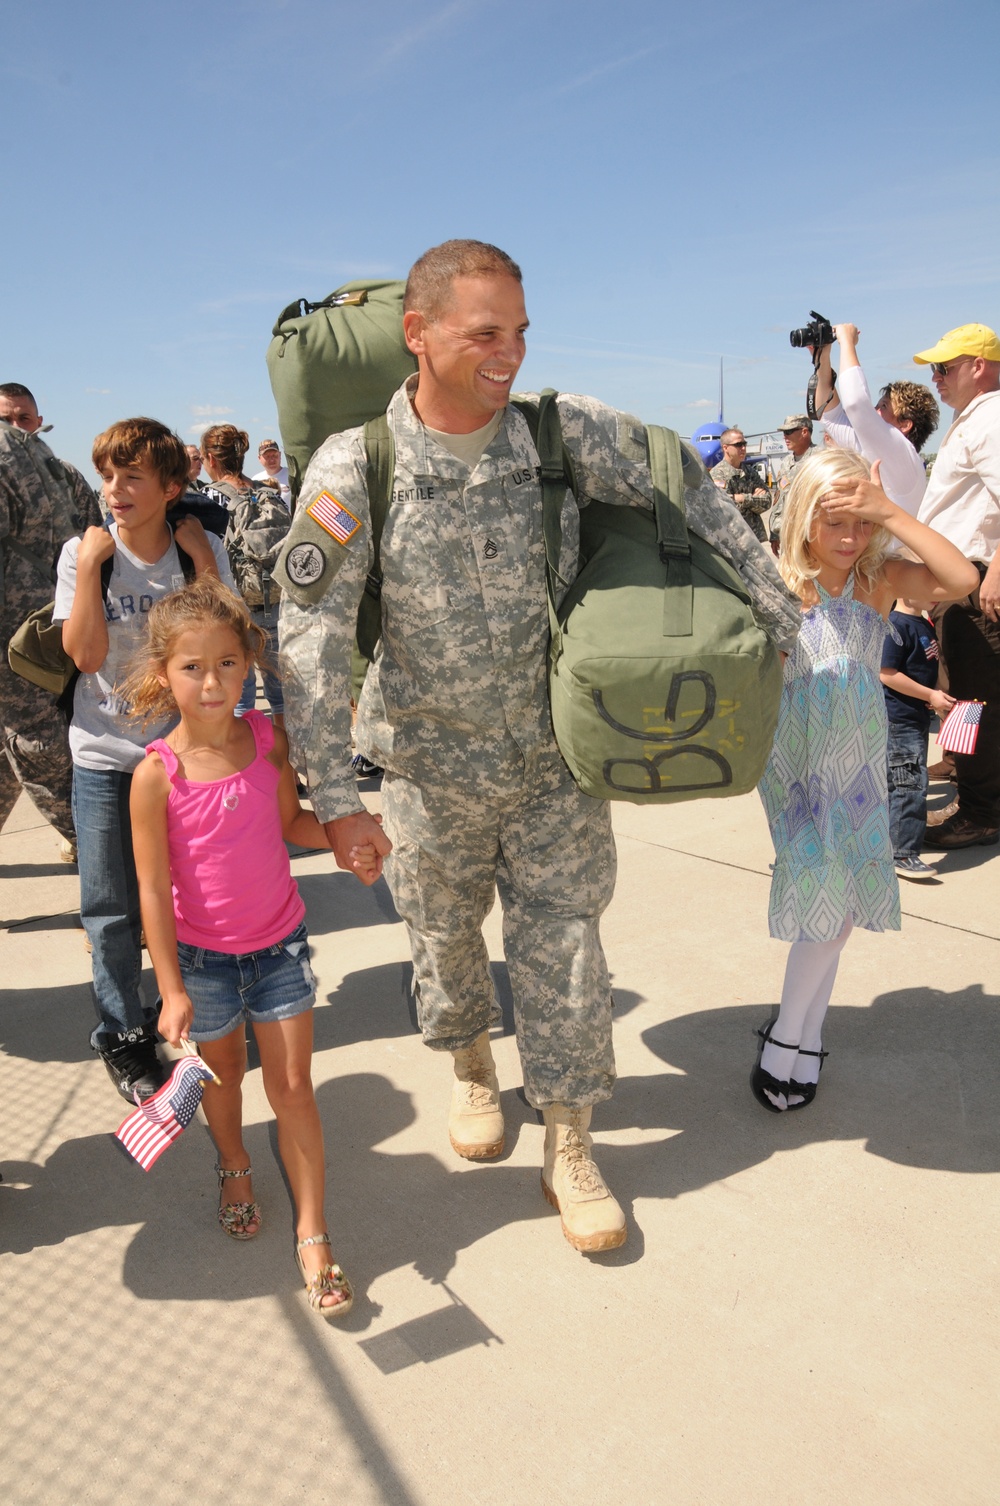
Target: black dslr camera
column 818, row 333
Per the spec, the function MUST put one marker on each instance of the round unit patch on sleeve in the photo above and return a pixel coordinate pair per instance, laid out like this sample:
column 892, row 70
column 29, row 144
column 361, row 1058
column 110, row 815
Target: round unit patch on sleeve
column 306, row 564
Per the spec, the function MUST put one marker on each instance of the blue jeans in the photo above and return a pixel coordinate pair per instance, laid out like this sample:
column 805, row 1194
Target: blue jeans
column 907, row 771
column 269, row 672
column 109, row 900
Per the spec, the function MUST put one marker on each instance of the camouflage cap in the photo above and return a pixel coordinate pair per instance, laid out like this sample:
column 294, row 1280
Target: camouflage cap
column 796, row 421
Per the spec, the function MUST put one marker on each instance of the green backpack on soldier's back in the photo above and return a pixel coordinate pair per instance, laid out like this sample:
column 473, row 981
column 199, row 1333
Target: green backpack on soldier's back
column 335, row 364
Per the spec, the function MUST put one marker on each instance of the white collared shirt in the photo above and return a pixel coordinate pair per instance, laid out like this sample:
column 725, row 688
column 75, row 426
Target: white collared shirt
column 962, row 500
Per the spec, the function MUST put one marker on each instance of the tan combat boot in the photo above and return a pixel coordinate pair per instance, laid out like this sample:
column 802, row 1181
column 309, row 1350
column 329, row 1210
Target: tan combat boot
column 475, row 1124
column 591, row 1218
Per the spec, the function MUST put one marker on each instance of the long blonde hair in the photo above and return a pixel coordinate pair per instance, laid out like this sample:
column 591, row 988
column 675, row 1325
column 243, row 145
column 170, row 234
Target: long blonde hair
column 205, row 601
column 812, row 481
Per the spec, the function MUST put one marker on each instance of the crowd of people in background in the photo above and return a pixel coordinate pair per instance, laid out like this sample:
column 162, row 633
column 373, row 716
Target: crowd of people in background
column 858, row 530
column 934, row 656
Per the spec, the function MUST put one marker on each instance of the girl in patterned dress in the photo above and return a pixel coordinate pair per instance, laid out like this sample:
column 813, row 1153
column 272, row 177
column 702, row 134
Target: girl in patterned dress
column 824, row 788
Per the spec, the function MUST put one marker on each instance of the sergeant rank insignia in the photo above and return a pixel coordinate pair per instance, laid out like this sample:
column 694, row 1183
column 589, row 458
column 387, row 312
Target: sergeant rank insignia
column 334, row 517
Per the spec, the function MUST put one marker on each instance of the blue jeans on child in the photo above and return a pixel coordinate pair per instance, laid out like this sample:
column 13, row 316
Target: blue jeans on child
column 109, row 900
column 268, row 620
column 228, row 988
column 907, row 770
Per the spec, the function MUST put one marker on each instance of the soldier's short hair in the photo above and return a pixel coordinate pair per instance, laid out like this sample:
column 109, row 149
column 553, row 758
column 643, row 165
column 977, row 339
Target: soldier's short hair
column 428, row 287
column 144, row 441
column 911, row 400
column 17, row 389
column 727, row 434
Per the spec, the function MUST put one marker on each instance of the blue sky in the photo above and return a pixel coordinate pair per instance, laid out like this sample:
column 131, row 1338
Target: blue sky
column 679, row 182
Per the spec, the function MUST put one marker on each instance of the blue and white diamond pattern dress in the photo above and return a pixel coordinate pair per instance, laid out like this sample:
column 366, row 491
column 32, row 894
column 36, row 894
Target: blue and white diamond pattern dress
column 824, row 788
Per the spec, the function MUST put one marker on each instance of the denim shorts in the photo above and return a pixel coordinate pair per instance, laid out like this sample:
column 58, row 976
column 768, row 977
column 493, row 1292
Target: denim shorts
column 228, row 988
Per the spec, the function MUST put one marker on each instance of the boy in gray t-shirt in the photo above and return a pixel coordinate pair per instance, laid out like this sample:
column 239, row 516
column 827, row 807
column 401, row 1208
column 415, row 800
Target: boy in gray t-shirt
column 143, row 467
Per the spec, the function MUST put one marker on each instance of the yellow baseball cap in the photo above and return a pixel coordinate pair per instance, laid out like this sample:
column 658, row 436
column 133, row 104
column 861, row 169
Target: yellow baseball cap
column 967, row 340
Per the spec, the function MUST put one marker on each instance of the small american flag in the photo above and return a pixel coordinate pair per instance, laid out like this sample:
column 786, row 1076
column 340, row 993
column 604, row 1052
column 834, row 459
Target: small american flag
column 930, row 647
column 334, row 517
column 960, row 727
column 158, row 1120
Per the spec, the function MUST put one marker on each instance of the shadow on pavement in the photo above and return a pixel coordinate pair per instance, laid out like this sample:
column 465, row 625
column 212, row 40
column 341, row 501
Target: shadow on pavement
column 337, row 902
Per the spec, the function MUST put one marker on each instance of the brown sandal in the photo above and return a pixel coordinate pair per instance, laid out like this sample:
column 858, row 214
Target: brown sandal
column 328, row 1279
column 236, row 1218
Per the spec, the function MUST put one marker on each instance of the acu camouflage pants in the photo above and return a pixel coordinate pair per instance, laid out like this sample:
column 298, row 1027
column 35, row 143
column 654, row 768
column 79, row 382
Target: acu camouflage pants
column 35, row 754
column 550, row 853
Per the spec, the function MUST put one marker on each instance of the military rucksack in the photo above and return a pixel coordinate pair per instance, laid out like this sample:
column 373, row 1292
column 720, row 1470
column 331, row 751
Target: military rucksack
column 258, row 524
column 662, row 685
column 335, row 364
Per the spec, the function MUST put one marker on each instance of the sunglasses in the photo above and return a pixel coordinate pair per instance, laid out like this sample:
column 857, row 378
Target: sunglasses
column 735, row 444
column 942, row 368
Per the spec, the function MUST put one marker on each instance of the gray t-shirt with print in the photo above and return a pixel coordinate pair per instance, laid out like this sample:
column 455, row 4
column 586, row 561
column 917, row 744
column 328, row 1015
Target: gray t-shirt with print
column 101, row 734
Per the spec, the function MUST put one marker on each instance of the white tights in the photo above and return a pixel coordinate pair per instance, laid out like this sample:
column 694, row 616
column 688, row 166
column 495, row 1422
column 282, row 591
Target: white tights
column 810, row 974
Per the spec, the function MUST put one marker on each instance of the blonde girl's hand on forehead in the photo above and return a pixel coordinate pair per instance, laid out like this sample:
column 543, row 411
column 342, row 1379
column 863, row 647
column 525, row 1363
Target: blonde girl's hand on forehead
column 859, row 498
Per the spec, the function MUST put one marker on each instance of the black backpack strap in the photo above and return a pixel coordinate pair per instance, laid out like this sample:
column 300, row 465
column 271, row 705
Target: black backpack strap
column 666, row 469
column 381, row 451
column 557, row 475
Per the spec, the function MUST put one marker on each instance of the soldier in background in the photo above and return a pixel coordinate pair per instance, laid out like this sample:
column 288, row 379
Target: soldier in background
column 741, row 481
column 798, row 432
column 43, row 502
column 476, row 795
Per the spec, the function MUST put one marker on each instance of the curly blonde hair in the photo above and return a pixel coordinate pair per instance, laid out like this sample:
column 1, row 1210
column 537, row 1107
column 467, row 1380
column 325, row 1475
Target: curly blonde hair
column 206, row 602
column 813, row 479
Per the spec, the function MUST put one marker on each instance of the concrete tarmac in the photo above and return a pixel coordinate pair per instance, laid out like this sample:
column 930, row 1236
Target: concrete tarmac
column 806, row 1307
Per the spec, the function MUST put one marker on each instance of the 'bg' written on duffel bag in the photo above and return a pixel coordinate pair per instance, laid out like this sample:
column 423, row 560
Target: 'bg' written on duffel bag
column 663, row 686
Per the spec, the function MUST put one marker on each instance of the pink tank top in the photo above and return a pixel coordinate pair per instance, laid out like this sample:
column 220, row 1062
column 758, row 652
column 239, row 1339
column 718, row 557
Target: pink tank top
column 232, row 883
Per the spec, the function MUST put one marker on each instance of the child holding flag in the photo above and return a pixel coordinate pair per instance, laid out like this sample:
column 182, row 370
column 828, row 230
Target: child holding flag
column 212, row 806
column 824, row 788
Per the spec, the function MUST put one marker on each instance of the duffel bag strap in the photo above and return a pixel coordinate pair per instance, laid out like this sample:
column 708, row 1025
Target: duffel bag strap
column 556, row 474
column 666, row 468
column 381, row 450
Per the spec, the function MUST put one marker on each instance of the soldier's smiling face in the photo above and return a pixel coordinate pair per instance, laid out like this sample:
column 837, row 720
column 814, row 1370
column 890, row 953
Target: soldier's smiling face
column 470, row 355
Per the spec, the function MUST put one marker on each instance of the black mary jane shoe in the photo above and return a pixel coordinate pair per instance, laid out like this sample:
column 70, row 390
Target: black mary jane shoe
column 806, row 1089
column 761, row 1079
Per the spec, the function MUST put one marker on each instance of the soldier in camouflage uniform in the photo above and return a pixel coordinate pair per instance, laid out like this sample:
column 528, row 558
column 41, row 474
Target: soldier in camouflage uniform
column 456, row 710
column 797, row 430
column 741, row 481
column 43, row 502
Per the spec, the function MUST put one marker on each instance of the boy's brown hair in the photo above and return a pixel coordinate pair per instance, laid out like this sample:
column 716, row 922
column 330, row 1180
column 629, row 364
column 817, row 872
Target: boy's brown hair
column 144, row 441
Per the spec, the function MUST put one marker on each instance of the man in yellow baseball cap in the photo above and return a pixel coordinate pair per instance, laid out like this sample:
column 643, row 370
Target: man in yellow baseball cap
column 973, row 340
column 962, row 502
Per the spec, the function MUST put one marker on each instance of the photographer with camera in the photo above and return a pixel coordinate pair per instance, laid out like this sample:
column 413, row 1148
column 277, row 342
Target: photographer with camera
column 893, row 430
column 798, row 432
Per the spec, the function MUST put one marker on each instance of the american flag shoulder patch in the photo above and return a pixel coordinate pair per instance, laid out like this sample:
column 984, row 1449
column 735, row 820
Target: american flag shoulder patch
column 332, row 516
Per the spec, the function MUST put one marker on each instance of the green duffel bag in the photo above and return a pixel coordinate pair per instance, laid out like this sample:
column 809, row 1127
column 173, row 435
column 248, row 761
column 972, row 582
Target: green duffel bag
column 35, row 652
column 335, row 364
column 662, row 685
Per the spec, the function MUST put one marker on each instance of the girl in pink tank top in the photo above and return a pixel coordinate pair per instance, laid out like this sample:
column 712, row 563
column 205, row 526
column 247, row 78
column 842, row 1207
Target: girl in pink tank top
column 212, row 807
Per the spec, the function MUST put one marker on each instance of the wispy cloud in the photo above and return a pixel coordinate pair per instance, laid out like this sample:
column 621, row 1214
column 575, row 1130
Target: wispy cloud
column 405, row 41
column 588, row 78
column 206, row 410
column 200, row 428
column 102, row 390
